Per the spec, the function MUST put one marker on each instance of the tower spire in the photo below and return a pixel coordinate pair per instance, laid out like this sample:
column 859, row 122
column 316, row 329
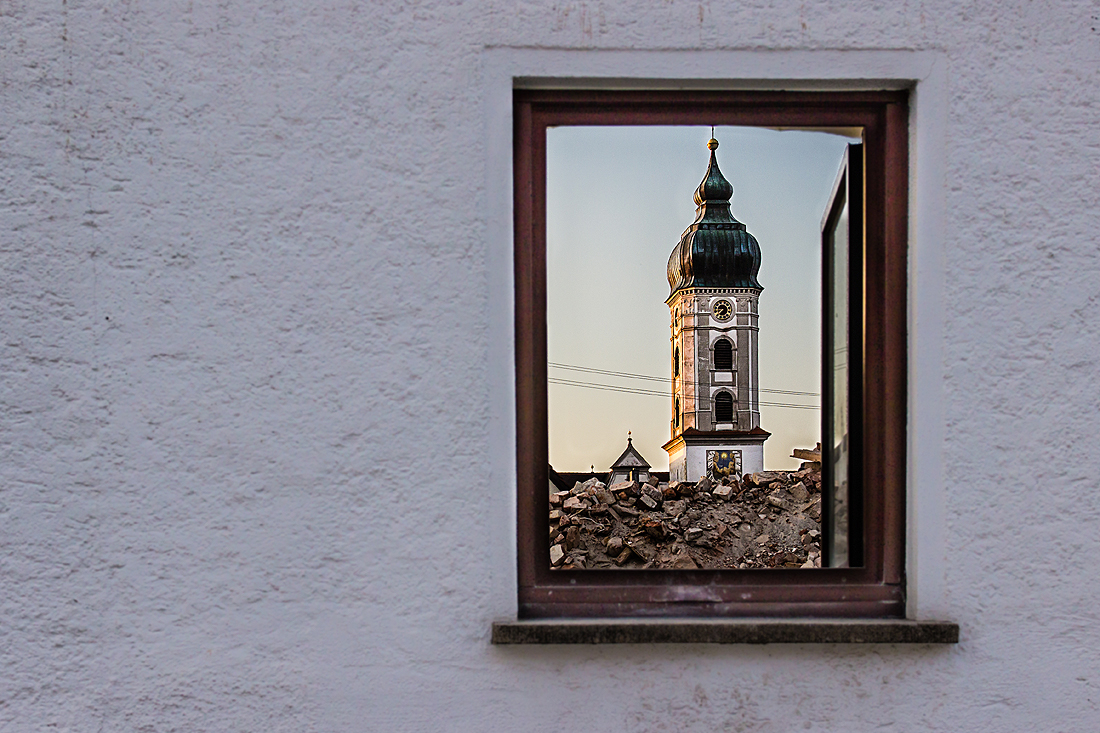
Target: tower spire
column 716, row 250
column 714, row 189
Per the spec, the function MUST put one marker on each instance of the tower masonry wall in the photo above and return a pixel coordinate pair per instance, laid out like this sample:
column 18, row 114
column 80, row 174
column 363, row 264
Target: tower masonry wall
column 698, row 333
column 691, row 462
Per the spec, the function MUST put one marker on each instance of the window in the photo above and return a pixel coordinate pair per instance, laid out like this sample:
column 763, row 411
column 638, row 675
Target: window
column 723, row 356
column 876, row 395
column 723, row 407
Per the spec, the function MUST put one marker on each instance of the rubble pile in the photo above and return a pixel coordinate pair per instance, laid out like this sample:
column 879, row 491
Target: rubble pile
column 770, row 519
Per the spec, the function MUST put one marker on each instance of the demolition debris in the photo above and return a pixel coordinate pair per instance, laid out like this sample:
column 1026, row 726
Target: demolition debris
column 770, row 519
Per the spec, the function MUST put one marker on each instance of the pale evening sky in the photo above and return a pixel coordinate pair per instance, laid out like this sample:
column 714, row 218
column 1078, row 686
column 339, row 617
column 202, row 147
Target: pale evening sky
column 618, row 199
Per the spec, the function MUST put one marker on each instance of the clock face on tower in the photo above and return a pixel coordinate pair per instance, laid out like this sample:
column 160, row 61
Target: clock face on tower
column 722, row 310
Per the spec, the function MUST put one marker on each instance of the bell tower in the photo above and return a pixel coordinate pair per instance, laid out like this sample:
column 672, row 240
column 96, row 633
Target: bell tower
column 712, row 272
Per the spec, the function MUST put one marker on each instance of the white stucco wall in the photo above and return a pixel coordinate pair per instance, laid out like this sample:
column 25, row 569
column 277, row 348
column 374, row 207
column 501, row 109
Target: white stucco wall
column 255, row 389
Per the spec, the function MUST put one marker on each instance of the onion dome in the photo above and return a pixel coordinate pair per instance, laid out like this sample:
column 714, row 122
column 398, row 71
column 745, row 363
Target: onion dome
column 716, row 251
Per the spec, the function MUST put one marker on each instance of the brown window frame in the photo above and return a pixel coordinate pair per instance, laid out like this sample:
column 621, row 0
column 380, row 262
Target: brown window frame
column 875, row 590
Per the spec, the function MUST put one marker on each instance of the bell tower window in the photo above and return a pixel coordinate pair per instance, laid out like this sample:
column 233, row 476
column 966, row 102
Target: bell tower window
column 723, row 407
column 723, row 356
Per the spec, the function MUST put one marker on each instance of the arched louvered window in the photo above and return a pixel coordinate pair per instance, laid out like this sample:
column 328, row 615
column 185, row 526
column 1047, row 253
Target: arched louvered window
column 676, row 362
column 723, row 356
column 723, row 407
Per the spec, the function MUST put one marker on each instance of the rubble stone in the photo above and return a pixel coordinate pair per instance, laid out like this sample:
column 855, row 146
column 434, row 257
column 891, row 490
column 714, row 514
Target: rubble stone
column 655, row 529
column 628, row 487
column 573, row 503
column 654, row 493
column 683, row 561
column 641, row 550
column 770, row 519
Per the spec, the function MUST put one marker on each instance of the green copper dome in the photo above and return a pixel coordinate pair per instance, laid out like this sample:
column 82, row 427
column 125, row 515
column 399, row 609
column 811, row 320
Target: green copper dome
column 715, row 251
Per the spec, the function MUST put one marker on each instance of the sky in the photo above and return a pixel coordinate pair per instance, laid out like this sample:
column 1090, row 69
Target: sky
column 618, row 200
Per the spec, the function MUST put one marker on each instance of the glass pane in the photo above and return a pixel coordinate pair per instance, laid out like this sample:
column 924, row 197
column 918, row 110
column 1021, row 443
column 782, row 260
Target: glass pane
column 685, row 382
column 838, row 456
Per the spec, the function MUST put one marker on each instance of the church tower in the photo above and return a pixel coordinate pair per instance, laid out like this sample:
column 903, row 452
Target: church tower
column 713, row 306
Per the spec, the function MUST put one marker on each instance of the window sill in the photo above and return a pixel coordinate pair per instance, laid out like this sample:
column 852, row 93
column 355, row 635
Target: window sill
column 725, row 631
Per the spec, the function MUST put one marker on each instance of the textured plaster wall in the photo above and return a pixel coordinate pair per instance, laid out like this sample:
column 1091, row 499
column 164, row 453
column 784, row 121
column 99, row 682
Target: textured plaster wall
column 246, row 387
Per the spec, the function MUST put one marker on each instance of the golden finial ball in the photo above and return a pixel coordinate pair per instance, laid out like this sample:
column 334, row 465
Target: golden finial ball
column 712, row 143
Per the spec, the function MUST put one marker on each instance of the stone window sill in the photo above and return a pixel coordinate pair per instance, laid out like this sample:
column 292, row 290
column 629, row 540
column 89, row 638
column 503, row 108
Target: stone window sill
column 725, row 631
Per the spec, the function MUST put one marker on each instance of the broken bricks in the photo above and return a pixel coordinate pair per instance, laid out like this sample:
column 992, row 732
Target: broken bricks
column 655, row 529
column 573, row 504
column 709, row 525
column 694, row 534
column 653, row 493
column 630, row 488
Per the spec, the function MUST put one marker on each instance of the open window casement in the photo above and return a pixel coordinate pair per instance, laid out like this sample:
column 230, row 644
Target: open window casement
column 842, row 233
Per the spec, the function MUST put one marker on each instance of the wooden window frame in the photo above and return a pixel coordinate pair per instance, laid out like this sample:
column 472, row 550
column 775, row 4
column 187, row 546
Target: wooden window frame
column 875, row 590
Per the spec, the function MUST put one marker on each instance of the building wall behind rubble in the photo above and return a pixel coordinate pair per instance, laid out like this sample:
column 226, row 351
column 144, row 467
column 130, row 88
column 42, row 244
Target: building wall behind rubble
column 247, row 376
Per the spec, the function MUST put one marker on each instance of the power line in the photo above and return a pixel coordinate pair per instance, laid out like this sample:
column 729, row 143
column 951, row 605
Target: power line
column 665, row 380
column 655, row 393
